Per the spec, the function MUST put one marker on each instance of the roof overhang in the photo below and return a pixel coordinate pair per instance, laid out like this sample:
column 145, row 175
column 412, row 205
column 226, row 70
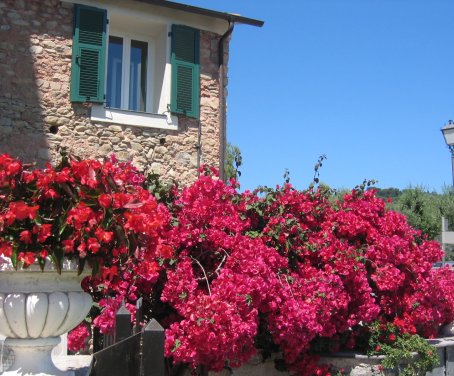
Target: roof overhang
column 235, row 18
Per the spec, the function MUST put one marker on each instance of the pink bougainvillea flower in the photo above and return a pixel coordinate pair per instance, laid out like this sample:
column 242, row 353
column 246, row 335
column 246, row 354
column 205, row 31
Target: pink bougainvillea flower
column 78, row 338
column 165, row 251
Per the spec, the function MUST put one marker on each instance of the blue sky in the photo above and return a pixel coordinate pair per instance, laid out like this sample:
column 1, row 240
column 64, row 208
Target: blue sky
column 368, row 83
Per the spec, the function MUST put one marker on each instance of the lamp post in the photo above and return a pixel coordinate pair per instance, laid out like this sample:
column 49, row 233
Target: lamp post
column 448, row 134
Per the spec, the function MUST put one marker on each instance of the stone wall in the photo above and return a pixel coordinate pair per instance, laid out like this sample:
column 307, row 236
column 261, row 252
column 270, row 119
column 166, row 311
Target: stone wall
column 37, row 117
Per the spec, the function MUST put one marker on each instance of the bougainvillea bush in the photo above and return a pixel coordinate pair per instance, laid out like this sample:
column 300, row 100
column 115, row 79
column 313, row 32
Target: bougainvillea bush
column 228, row 274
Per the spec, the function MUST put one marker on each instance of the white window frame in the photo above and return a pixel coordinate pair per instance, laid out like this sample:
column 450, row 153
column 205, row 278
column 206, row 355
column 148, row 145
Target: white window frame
column 124, row 116
column 126, row 66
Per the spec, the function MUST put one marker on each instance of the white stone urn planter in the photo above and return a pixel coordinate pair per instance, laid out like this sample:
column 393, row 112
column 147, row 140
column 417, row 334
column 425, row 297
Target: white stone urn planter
column 35, row 309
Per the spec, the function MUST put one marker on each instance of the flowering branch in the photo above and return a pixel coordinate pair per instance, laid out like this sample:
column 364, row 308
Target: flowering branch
column 204, row 273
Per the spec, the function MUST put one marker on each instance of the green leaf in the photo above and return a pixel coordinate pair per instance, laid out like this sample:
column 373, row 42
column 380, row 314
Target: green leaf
column 176, row 345
column 289, row 279
column 108, row 218
column 38, row 220
column 80, row 266
column 41, row 263
column 14, row 259
column 95, row 267
column 183, row 295
column 253, row 234
column 62, row 228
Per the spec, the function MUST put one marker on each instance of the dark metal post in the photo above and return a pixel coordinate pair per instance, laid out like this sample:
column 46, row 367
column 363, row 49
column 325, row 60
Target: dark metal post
column 153, row 363
column 122, row 323
column 97, row 339
column 451, row 149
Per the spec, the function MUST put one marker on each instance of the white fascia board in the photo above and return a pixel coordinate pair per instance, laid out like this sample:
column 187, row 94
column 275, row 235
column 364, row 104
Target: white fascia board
column 155, row 13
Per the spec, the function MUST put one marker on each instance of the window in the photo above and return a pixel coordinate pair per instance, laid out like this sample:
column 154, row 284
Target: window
column 134, row 69
column 128, row 75
column 114, row 72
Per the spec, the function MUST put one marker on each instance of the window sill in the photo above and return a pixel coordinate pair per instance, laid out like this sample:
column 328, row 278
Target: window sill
column 136, row 119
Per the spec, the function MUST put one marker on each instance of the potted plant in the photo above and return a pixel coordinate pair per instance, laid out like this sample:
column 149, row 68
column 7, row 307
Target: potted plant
column 58, row 225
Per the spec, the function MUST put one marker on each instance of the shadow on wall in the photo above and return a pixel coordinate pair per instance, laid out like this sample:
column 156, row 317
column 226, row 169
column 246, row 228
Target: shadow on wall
column 30, row 76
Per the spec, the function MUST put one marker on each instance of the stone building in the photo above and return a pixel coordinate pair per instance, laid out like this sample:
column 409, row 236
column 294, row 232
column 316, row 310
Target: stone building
column 144, row 79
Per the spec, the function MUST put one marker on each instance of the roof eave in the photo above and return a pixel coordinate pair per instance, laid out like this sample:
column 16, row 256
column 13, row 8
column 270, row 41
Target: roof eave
column 205, row 12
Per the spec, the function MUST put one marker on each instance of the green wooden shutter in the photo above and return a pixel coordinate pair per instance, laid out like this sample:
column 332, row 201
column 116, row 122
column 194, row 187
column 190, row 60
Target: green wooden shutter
column 185, row 95
column 89, row 54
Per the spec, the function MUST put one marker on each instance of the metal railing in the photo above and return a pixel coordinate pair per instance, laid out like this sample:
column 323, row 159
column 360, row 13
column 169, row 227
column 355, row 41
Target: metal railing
column 130, row 351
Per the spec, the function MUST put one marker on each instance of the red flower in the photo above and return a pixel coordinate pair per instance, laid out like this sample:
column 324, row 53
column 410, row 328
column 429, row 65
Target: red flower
column 44, row 231
column 104, row 236
column 50, row 193
column 121, row 199
column 109, row 273
column 6, row 249
column 27, row 258
column 93, row 245
column 81, row 216
column 26, row 237
column 105, row 200
column 22, row 211
column 14, row 167
column 392, row 337
column 82, row 248
column 68, row 245
column 64, row 176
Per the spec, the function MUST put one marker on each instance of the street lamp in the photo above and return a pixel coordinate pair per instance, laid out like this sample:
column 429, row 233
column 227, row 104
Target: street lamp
column 448, row 134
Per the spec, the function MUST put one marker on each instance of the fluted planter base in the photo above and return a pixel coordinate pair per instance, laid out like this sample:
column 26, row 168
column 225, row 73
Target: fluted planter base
column 35, row 309
column 33, row 357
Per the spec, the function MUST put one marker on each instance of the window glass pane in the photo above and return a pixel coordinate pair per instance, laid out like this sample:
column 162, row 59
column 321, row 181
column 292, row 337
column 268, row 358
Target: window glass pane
column 114, row 72
column 138, row 76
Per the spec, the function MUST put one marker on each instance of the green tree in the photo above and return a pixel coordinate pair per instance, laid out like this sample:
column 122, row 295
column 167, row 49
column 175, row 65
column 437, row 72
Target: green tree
column 233, row 161
column 423, row 209
column 385, row 193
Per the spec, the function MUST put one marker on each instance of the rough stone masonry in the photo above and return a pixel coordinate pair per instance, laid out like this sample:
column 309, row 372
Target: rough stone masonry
column 37, row 117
